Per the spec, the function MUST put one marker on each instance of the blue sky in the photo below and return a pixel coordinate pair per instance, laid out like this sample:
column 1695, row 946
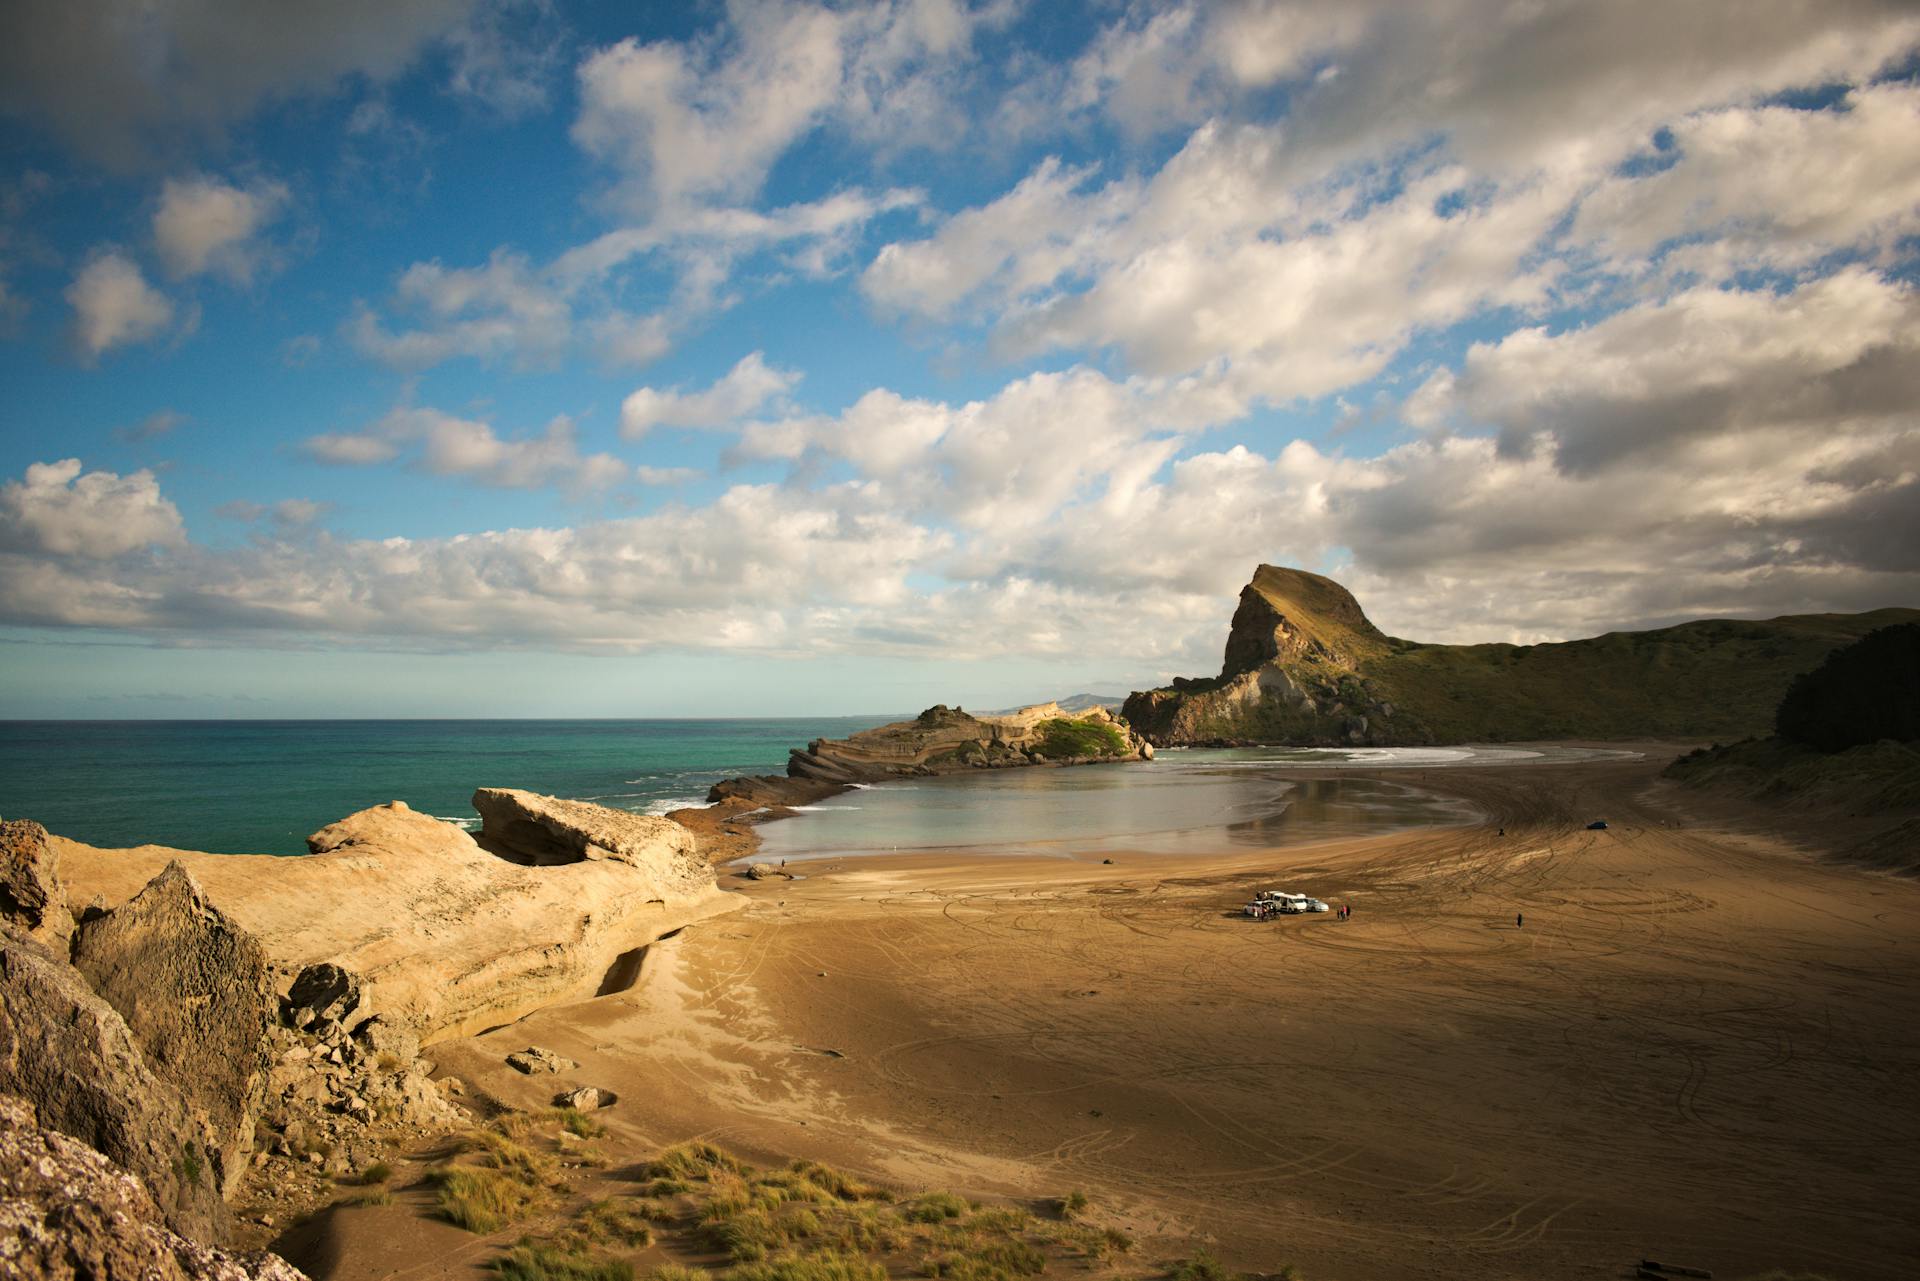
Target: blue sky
column 489, row 357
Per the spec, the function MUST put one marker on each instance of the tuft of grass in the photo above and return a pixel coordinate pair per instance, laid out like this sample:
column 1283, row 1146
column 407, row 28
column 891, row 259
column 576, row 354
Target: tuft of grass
column 188, row 1165
column 828, row 1265
column 369, row 1196
column 480, row 1199
column 530, row 1261
column 1072, row 1205
column 1202, row 1267
column 999, row 1218
column 677, row 1272
column 692, row 1163
column 933, row 1207
column 624, row 1221
column 666, row 1187
column 579, row 1124
column 378, row 1172
column 996, row 1261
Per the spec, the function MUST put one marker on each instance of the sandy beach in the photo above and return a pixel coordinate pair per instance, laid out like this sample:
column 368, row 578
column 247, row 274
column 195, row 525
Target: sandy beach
column 1699, row 1046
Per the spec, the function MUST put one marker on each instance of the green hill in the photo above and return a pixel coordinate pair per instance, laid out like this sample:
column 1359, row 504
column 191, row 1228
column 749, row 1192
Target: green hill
column 1304, row 665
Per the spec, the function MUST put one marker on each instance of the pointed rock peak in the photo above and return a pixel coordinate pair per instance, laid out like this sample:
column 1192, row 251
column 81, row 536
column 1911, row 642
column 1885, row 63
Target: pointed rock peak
column 1290, row 613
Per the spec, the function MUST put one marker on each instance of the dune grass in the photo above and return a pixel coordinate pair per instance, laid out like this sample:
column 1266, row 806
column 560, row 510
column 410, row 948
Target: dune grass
column 535, row 1262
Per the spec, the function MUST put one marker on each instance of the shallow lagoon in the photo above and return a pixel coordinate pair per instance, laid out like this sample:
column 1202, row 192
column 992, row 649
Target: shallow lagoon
column 1183, row 801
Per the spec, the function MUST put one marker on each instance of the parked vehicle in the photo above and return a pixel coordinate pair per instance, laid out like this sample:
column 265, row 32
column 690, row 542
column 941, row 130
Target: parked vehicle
column 1315, row 905
column 1598, row 825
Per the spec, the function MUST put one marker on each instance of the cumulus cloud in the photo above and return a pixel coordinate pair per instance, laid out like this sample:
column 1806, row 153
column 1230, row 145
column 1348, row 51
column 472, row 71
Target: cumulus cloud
column 113, row 305
column 444, row 445
column 206, row 225
column 96, row 516
column 1836, row 356
column 742, row 391
column 505, row 309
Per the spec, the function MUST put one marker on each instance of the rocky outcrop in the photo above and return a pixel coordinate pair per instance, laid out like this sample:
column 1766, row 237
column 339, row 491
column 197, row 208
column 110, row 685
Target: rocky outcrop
column 1292, row 672
column 941, row 740
column 545, row 830
column 442, row 935
column 72, row 1058
column 32, row 898
column 192, row 986
column 67, row 1213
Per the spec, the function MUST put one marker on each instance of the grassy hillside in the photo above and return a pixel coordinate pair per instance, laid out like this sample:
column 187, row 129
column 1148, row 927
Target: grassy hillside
column 1718, row 678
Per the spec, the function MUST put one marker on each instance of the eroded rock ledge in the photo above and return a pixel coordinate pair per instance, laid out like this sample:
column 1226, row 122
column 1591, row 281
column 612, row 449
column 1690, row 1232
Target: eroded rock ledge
column 447, row 937
column 941, row 740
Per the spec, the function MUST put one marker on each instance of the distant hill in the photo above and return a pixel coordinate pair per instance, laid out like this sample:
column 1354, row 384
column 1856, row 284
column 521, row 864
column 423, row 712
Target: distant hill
column 1305, row 665
column 1072, row 703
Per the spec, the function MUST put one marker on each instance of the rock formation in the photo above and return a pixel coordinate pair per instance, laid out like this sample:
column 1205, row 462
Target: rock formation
column 193, row 988
column 1303, row 665
column 67, row 1213
column 545, row 830
column 941, row 740
column 442, row 935
column 72, row 1057
column 32, row 899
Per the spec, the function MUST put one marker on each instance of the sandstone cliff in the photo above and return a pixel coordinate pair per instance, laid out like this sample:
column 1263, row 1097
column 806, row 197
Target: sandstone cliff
column 942, row 740
column 447, row 937
column 1304, row 665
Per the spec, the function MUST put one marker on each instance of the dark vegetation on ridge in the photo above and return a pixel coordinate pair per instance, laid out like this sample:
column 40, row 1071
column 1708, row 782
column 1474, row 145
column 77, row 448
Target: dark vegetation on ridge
column 1848, row 743
column 1303, row 664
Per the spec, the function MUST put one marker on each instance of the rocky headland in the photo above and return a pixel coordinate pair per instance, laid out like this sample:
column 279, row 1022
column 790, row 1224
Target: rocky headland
column 941, row 740
column 1304, row 665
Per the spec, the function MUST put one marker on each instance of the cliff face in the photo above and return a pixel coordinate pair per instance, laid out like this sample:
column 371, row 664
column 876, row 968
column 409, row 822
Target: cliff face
column 1303, row 665
column 942, row 740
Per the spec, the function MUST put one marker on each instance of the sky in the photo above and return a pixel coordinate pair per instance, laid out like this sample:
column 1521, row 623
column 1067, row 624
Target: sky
column 527, row 358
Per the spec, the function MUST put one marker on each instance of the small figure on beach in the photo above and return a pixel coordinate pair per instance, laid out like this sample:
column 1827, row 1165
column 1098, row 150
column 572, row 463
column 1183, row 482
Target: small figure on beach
column 1519, row 919
column 1503, row 831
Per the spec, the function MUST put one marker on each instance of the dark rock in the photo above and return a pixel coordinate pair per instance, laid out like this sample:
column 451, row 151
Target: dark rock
column 324, row 994
column 193, row 988
column 71, row 1057
column 67, row 1213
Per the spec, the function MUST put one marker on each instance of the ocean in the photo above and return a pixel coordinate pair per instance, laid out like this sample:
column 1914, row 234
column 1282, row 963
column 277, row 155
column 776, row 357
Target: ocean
column 260, row 787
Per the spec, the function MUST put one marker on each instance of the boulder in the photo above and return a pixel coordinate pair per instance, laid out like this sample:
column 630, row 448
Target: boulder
column 67, row 1213
column 323, row 994
column 193, row 988
column 72, row 1059
column 588, row 1098
column 534, row 1059
column 762, row 871
column 384, row 1038
column 545, row 830
column 32, row 898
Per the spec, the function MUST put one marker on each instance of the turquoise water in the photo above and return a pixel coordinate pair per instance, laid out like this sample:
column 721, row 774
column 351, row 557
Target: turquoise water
column 259, row 787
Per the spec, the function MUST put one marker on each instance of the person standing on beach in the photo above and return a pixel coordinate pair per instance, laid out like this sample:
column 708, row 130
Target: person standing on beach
column 1519, row 919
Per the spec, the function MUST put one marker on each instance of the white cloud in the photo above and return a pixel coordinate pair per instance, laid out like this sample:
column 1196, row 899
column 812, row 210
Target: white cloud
column 1835, row 356
column 162, row 422
column 206, row 225
column 505, row 309
column 650, row 475
column 1772, row 187
column 98, row 515
column 685, row 125
column 444, row 445
column 742, row 391
column 113, row 305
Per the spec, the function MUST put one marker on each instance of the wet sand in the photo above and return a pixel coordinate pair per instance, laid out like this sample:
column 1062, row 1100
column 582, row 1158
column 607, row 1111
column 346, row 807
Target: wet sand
column 1700, row 1047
